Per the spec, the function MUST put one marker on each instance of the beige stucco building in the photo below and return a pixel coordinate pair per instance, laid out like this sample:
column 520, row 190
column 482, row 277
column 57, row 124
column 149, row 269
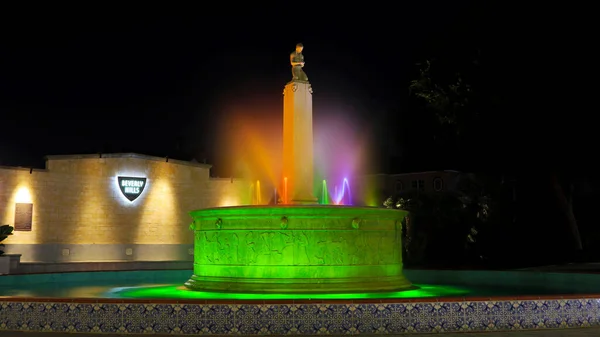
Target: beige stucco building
column 75, row 211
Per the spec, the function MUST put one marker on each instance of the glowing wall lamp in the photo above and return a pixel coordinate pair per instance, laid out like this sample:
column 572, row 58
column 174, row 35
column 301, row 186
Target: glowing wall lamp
column 23, row 195
column 23, row 209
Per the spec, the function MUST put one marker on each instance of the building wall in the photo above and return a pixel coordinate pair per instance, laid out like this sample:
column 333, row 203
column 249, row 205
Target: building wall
column 80, row 214
column 423, row 181
column 373, row 190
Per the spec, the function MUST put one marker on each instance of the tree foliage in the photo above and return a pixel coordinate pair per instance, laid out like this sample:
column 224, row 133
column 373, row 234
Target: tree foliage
column 448, row 101
column 476, row 131
column 460, row 105
column 5, row 232
column 449, row 227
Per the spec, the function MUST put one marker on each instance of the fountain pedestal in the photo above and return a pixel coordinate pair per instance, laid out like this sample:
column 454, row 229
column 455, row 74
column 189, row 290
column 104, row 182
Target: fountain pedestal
column 298, row 142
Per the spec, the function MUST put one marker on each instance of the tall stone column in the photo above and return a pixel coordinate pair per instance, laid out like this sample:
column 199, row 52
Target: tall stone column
column 298, row 142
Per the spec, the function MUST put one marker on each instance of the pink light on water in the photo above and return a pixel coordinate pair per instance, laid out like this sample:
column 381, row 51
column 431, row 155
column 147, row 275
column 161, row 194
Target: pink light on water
column 343, row 196
column 342, row 149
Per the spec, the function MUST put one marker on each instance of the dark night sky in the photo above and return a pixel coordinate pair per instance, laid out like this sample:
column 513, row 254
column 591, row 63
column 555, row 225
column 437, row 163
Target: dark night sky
column 118, row 81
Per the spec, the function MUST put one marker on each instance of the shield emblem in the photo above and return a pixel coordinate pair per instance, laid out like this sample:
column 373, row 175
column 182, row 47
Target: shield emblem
column 131, row 187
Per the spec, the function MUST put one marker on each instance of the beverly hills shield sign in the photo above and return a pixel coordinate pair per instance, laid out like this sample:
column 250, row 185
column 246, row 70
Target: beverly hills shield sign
column 131, row 187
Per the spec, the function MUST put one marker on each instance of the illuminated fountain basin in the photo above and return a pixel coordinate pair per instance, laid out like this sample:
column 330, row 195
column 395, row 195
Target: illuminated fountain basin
column 297, row 249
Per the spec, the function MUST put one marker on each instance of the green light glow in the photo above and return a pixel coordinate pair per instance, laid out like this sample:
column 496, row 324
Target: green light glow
column 180, row 292
column 324, row 194
column 298, row 249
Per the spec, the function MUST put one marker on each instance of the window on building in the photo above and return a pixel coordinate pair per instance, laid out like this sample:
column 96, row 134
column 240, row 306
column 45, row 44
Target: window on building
column 418, row 185
column 438, row 184
column 399, row 186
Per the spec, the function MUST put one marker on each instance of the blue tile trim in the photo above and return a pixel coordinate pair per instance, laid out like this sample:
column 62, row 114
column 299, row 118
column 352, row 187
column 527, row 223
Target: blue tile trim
column 305, row 319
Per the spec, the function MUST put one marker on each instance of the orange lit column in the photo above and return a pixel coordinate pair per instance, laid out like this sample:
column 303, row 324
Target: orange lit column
column 298, row 142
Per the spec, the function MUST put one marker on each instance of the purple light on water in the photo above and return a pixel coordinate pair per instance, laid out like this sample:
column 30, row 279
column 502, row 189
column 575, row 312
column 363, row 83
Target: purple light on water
column 348, row 192
column 340, row 151
column 343, row 196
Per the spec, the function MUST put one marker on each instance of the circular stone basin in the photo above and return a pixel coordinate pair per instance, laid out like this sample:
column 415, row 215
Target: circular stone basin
column 298, row 249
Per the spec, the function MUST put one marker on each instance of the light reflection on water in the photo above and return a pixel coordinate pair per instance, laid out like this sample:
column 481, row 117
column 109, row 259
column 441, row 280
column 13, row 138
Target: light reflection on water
column 178, row 291
column 72, row 290
column 173, row 289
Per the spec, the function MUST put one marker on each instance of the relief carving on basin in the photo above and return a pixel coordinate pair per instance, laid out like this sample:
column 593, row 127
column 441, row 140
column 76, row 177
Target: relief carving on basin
column 298, row 249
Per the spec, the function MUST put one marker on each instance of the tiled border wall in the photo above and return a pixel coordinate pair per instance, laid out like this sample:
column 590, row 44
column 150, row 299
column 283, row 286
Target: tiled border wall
column 297, row 318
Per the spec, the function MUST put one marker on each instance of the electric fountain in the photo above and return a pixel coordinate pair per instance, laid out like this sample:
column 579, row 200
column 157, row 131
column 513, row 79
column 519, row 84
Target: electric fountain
column 275, row 270
column 297, row 246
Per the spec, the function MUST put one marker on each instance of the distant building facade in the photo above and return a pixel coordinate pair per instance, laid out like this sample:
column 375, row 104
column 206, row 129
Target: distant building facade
column 372, row 190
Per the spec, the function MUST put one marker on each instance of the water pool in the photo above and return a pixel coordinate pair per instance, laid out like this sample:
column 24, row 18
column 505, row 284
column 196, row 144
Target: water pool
column 168, row 285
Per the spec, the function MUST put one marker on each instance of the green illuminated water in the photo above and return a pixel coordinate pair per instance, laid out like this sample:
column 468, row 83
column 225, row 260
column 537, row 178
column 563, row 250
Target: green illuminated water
column 324, row 195
column 167, row 284
column 179, row 292
column 172, row 289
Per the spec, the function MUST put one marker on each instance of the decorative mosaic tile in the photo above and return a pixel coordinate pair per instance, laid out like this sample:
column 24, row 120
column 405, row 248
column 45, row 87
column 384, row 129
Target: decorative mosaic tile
column 309, row 318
